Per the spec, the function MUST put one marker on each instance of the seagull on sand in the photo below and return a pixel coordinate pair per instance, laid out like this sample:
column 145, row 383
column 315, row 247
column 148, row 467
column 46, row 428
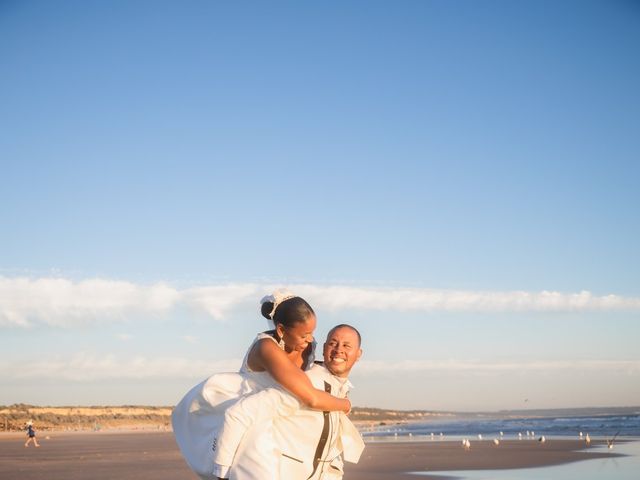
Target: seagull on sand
column 542, row 439
column 610, row 442
column 496, row 441
column 519, row 435
column 587, row 439
column 479, row 436
column 466, row 444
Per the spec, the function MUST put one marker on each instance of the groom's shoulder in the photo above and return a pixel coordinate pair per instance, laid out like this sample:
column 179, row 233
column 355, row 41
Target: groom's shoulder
column 317, row 371
column 318, row 366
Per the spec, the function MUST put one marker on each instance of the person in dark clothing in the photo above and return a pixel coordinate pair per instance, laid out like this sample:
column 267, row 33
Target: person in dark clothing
column 31, row 435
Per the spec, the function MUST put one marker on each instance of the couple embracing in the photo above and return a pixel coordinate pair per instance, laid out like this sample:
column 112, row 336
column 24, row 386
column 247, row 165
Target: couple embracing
column 282, row 416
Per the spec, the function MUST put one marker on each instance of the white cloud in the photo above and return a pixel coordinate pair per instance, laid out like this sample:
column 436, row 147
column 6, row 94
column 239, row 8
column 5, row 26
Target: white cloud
column 59, row 302
column 218, row 300
column 190, row 339
column 84, row 367
column 372, row 367
column 427, row 300
column 89, row 367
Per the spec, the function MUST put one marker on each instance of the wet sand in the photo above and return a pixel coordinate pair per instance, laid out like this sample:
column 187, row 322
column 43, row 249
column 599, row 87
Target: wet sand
column 387, row 461
column 155, row 456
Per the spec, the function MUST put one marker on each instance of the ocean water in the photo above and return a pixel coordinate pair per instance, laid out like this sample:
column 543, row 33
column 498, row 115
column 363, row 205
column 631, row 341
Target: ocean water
column 615, row 468
column 597, row 426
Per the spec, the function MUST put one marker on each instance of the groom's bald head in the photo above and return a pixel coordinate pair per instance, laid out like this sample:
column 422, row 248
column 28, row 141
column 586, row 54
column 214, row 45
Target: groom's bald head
column 342, row 349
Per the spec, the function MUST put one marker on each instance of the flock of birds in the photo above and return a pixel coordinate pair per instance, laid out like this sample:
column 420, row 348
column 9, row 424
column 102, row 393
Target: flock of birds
column 530, row 435
column 466, row 443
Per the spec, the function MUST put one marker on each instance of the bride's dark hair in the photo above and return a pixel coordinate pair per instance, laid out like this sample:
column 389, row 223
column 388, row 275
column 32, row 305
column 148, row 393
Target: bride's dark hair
column 288, row 313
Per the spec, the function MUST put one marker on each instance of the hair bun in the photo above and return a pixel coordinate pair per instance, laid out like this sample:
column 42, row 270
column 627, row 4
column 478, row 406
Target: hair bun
column 266, row 309
column 272, row 301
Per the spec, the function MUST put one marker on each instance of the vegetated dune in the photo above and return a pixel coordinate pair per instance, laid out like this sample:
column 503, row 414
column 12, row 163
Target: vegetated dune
column 15, row 417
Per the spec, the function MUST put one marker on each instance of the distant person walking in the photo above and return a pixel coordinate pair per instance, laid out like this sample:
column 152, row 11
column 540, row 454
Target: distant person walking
column 31, row 435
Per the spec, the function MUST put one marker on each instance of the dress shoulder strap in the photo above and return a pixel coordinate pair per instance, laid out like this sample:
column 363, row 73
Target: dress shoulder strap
column 262, row 335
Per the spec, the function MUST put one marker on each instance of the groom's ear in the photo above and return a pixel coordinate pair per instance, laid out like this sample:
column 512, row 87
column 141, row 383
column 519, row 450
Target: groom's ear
column 359, row 354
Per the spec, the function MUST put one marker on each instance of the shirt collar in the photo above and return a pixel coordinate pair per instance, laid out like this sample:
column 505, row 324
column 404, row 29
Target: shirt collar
column 345, row 382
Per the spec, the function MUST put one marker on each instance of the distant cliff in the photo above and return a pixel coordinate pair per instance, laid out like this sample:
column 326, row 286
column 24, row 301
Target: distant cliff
column 359, row 414
column 14, row 417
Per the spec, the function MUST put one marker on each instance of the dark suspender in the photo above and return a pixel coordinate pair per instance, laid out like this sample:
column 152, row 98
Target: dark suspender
column 324, row 436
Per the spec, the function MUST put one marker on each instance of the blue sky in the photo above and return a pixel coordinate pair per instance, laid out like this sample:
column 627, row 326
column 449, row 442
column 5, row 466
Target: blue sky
column 458, row 179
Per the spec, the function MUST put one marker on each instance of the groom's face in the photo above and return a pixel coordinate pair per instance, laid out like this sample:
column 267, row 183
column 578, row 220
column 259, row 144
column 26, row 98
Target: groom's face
column 341, row 351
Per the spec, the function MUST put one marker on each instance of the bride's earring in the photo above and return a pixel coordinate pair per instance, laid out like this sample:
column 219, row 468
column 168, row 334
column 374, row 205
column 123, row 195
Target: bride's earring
column 280, row 336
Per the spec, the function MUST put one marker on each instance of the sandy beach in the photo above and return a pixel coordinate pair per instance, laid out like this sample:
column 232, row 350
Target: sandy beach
column 155, row 456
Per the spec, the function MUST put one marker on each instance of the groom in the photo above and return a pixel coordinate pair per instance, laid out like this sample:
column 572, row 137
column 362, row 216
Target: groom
column 279, row 439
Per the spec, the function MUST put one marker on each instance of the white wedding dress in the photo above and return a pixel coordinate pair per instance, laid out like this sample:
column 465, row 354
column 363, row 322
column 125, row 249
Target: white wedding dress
column 198, row 417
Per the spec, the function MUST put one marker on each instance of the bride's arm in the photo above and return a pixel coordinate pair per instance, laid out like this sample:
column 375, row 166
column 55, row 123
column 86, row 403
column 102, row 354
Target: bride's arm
column 267, row 354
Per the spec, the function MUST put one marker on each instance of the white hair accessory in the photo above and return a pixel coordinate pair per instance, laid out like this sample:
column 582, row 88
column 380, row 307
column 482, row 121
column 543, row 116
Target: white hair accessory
column 277, row 297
